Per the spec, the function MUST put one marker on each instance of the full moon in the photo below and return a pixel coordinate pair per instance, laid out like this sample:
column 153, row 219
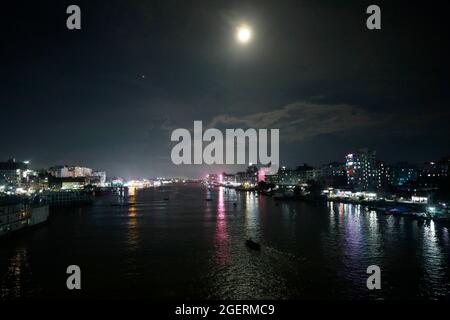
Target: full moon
column 244, row 34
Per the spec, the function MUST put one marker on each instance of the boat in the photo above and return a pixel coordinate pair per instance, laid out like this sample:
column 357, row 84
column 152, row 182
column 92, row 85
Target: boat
column 20, row 216
column 129, row 204
column 208, row 199
column 252, row 245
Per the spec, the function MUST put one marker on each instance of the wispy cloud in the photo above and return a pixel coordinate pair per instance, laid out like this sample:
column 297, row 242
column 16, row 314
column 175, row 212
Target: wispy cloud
column 302, row 120
column 305, row 120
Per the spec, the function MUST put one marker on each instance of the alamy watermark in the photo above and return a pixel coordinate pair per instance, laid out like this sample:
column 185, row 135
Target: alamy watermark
column 189, row 150
column 73, row 22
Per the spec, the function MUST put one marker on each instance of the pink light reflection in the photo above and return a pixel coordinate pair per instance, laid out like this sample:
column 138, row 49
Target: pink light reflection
column 221, row 239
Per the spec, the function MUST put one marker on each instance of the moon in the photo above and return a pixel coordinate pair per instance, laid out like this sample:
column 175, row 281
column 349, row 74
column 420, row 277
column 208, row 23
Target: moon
column 244, row 34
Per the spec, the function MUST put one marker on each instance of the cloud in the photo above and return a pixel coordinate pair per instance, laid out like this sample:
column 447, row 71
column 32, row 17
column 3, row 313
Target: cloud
column 304, row 120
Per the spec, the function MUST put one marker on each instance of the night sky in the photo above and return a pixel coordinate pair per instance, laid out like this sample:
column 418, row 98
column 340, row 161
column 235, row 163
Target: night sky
column 108, row 96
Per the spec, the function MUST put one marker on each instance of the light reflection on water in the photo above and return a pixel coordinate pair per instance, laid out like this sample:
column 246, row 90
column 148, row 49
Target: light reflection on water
column 221, row 240
column 174, row 244
column 12, row 281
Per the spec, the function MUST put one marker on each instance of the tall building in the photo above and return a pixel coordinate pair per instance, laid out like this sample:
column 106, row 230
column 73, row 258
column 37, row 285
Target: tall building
column 382, row 173
column 362, row 173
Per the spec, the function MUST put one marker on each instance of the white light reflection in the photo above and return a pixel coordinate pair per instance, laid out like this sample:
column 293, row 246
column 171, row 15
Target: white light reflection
column 251, row 215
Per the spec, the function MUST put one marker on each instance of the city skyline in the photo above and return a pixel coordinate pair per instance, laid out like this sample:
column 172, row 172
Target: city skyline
column 216, row 169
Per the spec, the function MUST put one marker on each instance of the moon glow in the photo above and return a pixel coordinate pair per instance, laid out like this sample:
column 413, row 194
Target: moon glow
column 244, row 34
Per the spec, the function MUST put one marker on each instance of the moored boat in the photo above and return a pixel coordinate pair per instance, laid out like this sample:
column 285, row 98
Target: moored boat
column 18, row 216
column 252, row 245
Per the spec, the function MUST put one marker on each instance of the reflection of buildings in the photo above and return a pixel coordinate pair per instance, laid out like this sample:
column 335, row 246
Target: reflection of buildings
column 221, row 237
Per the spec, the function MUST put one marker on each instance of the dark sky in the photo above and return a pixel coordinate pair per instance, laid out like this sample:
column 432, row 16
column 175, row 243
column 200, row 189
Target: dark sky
column 313, row 70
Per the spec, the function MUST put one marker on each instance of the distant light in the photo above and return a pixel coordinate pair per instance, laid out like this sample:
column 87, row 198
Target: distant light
column 431, row 209
column 244, row 34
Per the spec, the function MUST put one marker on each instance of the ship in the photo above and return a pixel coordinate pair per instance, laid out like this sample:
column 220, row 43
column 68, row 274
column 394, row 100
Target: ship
column 16, row 216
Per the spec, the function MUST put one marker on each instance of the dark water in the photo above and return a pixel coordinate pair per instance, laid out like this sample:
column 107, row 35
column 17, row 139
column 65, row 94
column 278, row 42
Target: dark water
column 191, row 248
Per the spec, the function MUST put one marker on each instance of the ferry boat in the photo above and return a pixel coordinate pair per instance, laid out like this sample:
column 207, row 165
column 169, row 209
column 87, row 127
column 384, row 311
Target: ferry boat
column 16, row 216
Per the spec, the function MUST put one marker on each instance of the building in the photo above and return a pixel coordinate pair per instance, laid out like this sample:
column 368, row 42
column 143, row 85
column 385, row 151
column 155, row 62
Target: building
column 68, row 183
column 70, row 171
column 13, row 175
column 228, row 179
column 434, row 176
column 401, row 173
column 382, row 175
column 212, row 178
column 435, row 170
column 361, row 168
column 98, row 178
column 333, row 175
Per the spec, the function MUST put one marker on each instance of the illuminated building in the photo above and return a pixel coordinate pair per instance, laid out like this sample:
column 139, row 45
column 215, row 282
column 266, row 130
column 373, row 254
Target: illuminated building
column 435, row 169
column 212, row 178
column 13, row 174
column 68, row 183
column 401, row 173
column 228, row 179
column 285, row 177
column 435, row 175
column 306, row 173
column 98, row 178
column 361, row 169
column 70, row 171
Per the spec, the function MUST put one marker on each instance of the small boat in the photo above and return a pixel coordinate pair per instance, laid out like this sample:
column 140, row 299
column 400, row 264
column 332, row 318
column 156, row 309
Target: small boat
column 208, row 199
column 129, row 204
column 166, row 199
column 252, row 245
